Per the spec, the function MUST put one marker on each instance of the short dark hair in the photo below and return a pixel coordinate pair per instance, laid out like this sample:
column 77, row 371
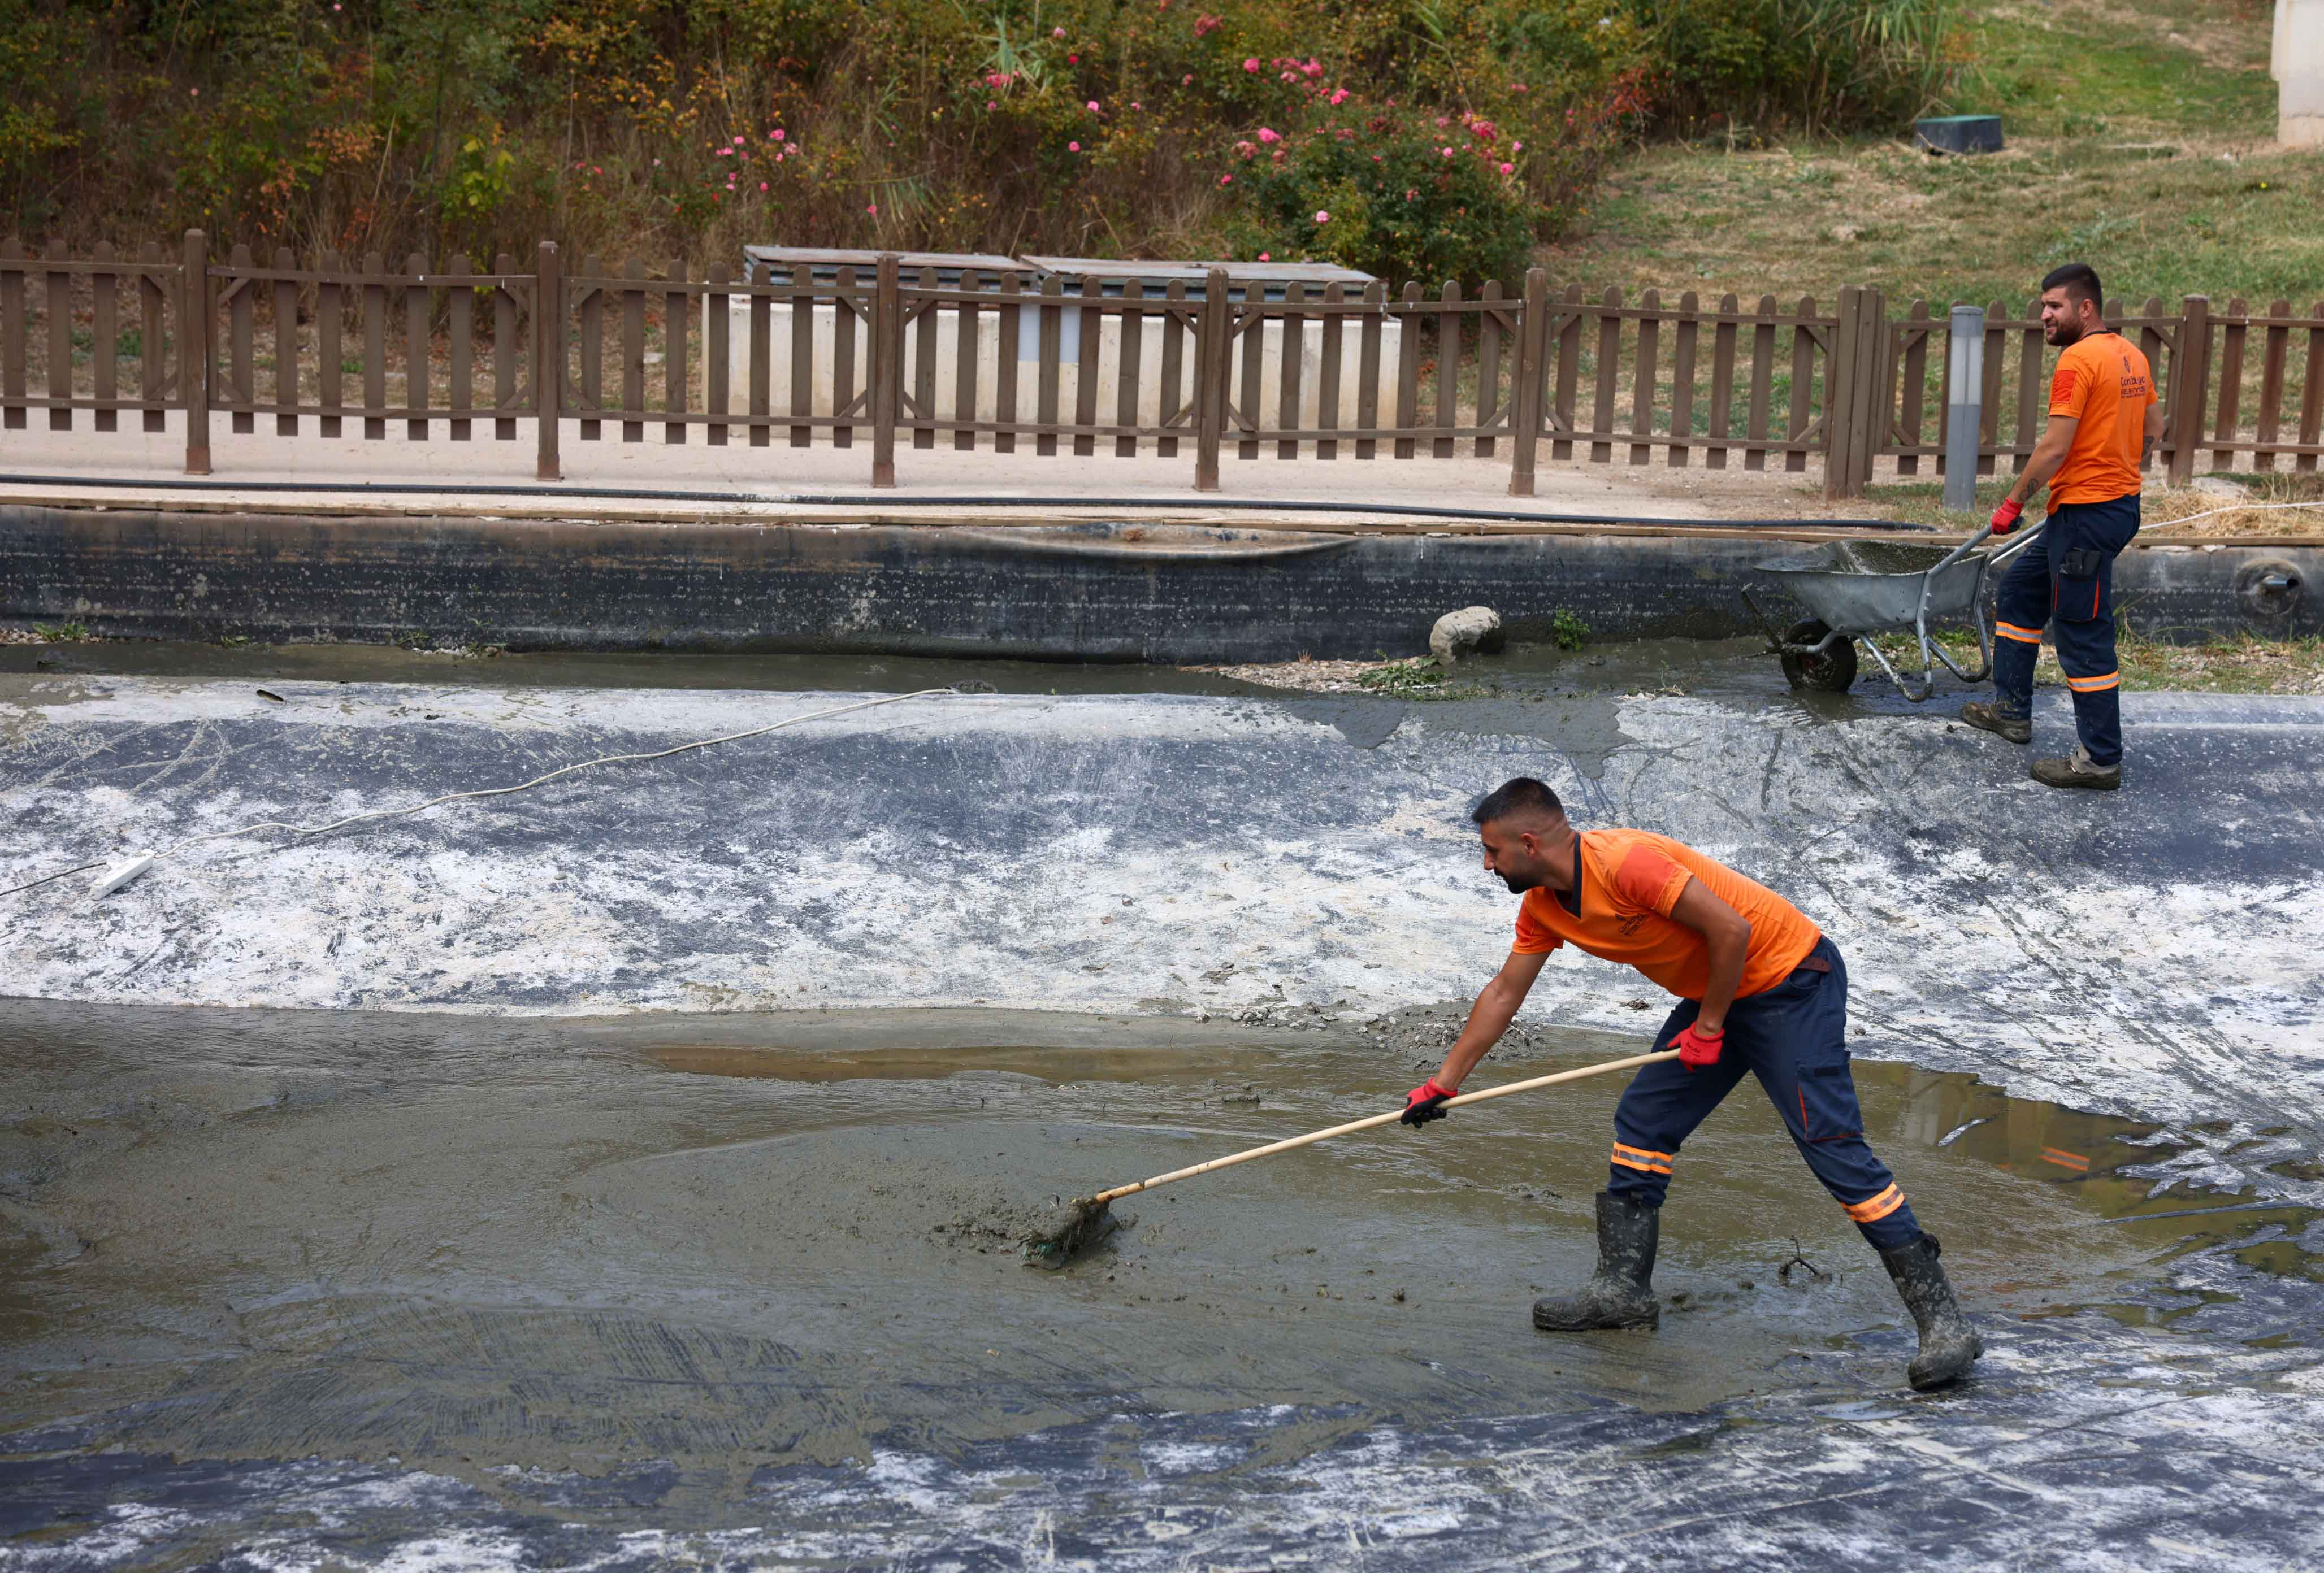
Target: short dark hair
column 1523, row 796
column 2079, row 281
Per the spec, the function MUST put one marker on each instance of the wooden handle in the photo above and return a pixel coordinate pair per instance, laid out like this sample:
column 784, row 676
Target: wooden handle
column 1368, row 1122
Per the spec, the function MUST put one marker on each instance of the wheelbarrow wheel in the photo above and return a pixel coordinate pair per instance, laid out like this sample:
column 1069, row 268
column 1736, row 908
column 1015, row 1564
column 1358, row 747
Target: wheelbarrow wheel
column 1830, row 671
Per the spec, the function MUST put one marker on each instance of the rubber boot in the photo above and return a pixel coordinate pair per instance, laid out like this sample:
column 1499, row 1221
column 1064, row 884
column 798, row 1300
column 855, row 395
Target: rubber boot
column 2077, row 770
column 1621, row 1294
column 1948, row 1343
column 2015, row 729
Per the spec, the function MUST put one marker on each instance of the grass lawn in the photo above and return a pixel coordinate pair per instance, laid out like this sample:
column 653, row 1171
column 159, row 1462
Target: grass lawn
column 2140, row 140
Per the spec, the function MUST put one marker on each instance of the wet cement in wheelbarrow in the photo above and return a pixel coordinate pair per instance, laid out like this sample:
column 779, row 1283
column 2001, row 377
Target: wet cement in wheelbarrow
column 483, row 1244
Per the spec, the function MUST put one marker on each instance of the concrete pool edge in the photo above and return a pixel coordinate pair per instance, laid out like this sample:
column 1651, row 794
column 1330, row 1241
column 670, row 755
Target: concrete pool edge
column 1224, row 591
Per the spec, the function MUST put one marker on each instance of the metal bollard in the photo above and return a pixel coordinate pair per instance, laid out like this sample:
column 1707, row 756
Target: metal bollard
column 1965, row 408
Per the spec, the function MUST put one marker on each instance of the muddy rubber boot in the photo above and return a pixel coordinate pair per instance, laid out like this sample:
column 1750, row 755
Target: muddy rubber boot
column 1621, row 1294
column 2077, row 770
column 2015, row 729
column 1948, row 1343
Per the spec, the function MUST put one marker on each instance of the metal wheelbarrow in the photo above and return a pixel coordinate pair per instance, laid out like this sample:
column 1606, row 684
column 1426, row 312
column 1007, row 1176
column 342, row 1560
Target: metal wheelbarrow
column 1857, row 588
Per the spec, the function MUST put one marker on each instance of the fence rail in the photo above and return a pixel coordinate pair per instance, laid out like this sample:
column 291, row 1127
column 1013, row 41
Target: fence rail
column 1086, row 364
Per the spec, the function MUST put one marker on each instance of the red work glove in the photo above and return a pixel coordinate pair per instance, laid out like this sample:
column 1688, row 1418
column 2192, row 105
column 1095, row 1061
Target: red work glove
column 1697, row 1048
column 1423, row 1103
column 2005, row 517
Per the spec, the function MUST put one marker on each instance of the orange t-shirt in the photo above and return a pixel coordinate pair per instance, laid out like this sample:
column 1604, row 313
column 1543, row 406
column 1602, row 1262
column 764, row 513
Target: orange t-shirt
column 1630, row 881
column 2103, row 381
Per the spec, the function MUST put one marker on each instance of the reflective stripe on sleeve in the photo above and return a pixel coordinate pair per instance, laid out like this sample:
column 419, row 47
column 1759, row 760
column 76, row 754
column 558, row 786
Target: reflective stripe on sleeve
column 2095, row 685
column 1643, row 1159
column 1877, row 1207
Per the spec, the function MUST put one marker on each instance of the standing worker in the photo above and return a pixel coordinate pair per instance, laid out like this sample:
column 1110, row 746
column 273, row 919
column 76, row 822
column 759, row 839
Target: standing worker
column 2104, row 423
column 1759, row 989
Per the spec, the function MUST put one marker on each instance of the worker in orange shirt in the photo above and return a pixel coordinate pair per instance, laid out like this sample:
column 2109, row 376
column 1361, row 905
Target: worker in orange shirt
column 2104, row 423
column 1760, row 990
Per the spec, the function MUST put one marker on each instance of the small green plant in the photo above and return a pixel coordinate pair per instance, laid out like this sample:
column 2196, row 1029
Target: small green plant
column 1567, row 631
column 233, row 641
column 416, row 638
column 63, row 633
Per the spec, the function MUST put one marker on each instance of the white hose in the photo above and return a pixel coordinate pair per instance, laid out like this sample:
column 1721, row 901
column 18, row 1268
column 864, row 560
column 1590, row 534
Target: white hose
column 316, row 830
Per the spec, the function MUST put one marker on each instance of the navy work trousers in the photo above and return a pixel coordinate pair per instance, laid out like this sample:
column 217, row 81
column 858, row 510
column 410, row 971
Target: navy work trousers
column 2066, row 579
column 1794, row 1037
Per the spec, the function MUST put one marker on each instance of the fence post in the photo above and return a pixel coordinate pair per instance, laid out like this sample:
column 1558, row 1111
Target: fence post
column 1211, row 383
column 887, row 367
column 1855, row 379
column 549, row 357
column 1533, row 356
column 2190, row 386
column 194, row 350
column 1965, row 409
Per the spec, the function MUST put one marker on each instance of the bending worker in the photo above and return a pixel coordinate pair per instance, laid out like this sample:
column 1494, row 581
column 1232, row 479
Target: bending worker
column 1759, row 989
column 2103, row 422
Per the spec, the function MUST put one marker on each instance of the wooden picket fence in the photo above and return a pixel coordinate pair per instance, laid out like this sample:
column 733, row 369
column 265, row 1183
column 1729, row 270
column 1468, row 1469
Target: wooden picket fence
column 1117, row 364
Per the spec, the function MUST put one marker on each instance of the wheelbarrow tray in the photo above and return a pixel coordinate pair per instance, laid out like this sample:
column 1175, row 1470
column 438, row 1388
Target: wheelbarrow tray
column 1860, row 586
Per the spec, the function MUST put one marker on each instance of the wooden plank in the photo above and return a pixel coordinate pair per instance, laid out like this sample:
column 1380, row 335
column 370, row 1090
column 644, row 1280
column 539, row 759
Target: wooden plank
column 1763, row 368
column 1007, row 326
column 2033, row 391
column 419, row 303
column 1210, row 342
column 843, row 357
column 924, row 361
column 13, row 335
column 1909, row 419
column 1092, row 338
column 2270, row 383
column 286, row 345
column 1488, row 366
column 2149, row 344
column 1048, row 370
column 242, row 361
column 198, row 357
column 548, row 361
column 1174, row 366
column 1803, row 349
column 1525, row 383
column 1253, row 342
column 1610, row 366
column 803, row 352
column 460, row 317
column 1327, row 371
column 1368, row 368
column 1642, row 380
column 505, row 338
column 1569, row 364
column 676, row 308
column 1294, row 337
column 593, row 347
column 1996, row 342
column 152, row 362
column 633, row 349
column 104, row 336
column 1723, row 382
column 762, row 360
column 59, row 299
column 1447, row 411
column 2191, row 377
column 1133, row 348
column 716, row 362
column 2231, row 384
column 1407, row 371
column 375, row 315
column 964, row 374
column 2312, row 396
column 1681, row 419
column 885, row 386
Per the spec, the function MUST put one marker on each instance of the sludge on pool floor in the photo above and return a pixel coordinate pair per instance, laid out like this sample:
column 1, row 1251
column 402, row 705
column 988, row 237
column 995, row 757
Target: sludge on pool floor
column 743, row 1241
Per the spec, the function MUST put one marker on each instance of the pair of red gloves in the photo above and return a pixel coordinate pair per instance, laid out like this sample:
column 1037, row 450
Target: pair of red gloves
column 1696, row 1049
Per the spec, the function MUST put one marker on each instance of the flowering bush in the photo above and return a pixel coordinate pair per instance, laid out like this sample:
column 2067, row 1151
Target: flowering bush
column 1381, row 189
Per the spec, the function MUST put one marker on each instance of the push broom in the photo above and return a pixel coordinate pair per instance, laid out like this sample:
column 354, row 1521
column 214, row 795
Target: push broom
column 1084, row 1221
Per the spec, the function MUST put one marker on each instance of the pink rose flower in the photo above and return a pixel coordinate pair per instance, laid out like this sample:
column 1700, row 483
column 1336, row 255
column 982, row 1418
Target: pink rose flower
column 1251, row 64
column 1073, row 147
column 1269, row 137
column 1264, row 258
column 1322, row 216
column 1509, row 169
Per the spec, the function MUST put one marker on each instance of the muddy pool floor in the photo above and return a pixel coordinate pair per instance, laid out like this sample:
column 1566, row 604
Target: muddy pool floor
column 520, row 1259
column 442, row 1286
